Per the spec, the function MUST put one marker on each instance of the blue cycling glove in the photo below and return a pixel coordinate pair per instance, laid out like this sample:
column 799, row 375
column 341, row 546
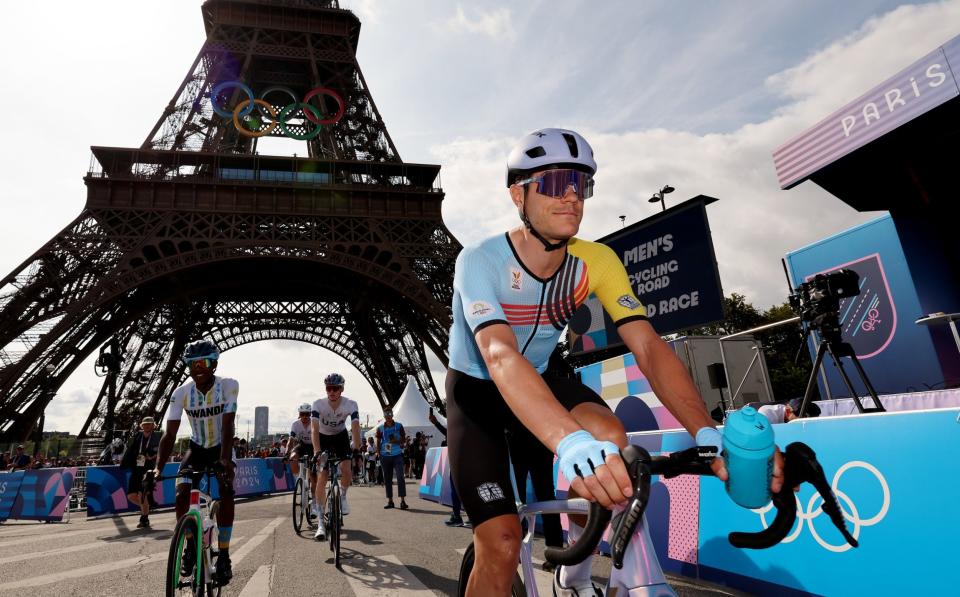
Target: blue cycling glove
column 580, row 453
column 709, row 436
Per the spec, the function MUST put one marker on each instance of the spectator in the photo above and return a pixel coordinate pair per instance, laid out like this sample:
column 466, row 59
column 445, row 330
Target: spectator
column 372, row 462
column 274, row 451
column 140, row 457
column 4, row 461
column 19, row 460
column 786, row 412
column 390, row 440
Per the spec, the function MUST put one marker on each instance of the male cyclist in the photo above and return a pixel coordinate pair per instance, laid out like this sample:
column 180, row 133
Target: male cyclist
column 513, row 295
column 329, row 433
column 210, row 402
column 299, row 447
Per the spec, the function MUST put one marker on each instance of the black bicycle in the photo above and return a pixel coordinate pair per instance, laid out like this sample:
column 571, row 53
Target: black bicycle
column 333, row 517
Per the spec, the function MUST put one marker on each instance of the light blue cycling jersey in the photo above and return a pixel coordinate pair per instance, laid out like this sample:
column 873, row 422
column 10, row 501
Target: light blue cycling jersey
column 491, row 285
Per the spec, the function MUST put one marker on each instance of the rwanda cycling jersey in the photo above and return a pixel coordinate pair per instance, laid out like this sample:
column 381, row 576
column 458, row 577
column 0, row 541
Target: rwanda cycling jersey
column 333, row 420
column 300, row 432
column 205, row 410
column 491, row 285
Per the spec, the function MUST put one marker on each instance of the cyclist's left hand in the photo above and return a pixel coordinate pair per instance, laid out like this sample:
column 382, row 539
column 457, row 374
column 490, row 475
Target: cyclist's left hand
column 228, row 469
column 776, row 481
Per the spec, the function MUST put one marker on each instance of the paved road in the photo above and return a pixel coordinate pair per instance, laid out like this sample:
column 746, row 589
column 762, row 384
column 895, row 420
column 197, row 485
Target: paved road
column 384, row 552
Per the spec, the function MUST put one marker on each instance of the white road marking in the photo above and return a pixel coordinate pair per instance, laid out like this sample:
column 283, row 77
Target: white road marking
column 47, row 579
column 256, row 540
column 259, row 583
column 383, row 575
column 52, row 552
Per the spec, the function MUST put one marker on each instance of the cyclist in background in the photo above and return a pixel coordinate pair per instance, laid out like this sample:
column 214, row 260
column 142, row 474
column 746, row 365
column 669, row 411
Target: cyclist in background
column 210, row 402
column 329, row 433
column 300, row 449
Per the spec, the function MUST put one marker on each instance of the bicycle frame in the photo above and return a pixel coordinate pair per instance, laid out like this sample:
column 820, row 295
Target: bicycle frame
column 641, row 575
column 203, row 506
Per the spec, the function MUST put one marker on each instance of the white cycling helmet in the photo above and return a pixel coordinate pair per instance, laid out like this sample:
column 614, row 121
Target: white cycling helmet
column 550, row 148
column 305, row 408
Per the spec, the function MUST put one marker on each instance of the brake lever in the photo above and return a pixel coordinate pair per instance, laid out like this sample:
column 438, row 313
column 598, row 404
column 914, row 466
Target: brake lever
column 637, row 461
column 800, row 466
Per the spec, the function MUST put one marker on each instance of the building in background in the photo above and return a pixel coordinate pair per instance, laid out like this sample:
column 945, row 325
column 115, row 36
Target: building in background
column 261, row 418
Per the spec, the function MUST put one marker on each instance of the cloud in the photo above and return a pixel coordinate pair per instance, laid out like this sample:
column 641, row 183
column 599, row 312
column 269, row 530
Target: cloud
column 496, row 24
column 755, row 223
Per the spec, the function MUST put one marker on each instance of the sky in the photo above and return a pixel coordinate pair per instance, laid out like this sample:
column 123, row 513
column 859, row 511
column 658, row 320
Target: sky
column 692, row 94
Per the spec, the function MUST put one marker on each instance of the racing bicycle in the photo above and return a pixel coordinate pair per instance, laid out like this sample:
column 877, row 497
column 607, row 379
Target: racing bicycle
column 302, row 498
column 333, row 517
column 635, row 572
column 199, row 524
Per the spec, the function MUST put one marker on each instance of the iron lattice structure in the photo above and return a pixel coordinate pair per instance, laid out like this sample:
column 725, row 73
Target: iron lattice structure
column 196, row 234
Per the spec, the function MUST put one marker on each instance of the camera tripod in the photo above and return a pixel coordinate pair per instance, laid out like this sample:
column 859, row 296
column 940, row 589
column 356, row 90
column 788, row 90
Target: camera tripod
column 831, row 342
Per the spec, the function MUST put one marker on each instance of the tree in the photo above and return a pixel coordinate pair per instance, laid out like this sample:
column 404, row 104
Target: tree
column 788, row 379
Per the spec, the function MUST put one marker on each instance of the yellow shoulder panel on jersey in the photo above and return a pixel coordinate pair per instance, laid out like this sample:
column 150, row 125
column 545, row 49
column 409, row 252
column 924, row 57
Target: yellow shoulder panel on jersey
column 608, row 279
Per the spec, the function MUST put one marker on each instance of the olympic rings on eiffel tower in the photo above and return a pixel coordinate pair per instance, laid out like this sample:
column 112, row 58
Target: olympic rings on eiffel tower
column 266, row 119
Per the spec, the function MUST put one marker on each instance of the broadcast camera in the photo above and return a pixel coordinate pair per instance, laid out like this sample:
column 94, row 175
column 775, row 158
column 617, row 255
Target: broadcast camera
column 821, row 295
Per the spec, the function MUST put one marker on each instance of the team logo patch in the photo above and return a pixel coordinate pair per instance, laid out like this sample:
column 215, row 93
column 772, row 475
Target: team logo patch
column 480, row 308
column 629, row 302
column 490, row 492
column 516, row 278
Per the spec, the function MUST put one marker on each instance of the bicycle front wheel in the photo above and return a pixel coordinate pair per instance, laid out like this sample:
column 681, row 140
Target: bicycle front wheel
column 298, row 507
column 179, row 584
column 335, row 523
column 517, row 589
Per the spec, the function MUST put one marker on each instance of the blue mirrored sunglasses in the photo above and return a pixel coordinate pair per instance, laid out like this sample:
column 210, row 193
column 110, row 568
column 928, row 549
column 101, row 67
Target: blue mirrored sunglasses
column 554, row 183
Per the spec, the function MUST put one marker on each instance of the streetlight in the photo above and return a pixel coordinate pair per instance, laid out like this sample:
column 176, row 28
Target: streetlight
column 658, row 196
column 623, row 221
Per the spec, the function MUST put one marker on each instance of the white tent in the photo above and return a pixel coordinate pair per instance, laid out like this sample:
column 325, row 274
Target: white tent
column 411, row 411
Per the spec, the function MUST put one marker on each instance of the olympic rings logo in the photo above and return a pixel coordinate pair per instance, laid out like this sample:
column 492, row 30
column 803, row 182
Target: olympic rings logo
column 850, row 513
column 266, row 118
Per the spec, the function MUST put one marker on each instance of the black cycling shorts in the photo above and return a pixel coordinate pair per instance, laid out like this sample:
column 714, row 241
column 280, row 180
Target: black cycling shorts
column 198, row 458
column 304, row 450
column 338, row 443
column 477, row 420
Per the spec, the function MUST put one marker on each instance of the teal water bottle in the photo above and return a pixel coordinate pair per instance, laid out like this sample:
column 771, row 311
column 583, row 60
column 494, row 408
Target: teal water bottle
column 748, row 451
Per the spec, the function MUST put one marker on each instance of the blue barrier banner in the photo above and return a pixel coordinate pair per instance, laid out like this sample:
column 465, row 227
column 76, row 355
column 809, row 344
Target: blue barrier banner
column 107, row 485
column 9, row 488
column 42, row 494
column 897, row 484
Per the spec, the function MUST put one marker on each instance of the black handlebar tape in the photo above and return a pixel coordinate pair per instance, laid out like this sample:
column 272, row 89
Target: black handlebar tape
column 818, row 479
column 786, row 505
column 597, row 520
column 801, row 466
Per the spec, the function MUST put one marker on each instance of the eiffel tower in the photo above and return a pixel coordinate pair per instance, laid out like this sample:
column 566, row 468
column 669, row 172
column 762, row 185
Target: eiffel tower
column 196, row 234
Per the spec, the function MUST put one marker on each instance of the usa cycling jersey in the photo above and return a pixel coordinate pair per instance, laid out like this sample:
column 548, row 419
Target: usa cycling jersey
column 205, row 410
column 300, row 432
column 333, row 420
column 491, row 285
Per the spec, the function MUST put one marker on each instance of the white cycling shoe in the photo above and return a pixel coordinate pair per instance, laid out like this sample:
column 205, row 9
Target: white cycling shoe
column 344, row 506
column 584, row 589
column 321, row 533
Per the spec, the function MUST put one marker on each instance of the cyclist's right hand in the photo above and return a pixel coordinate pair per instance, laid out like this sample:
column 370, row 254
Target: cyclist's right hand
column 594, row 468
